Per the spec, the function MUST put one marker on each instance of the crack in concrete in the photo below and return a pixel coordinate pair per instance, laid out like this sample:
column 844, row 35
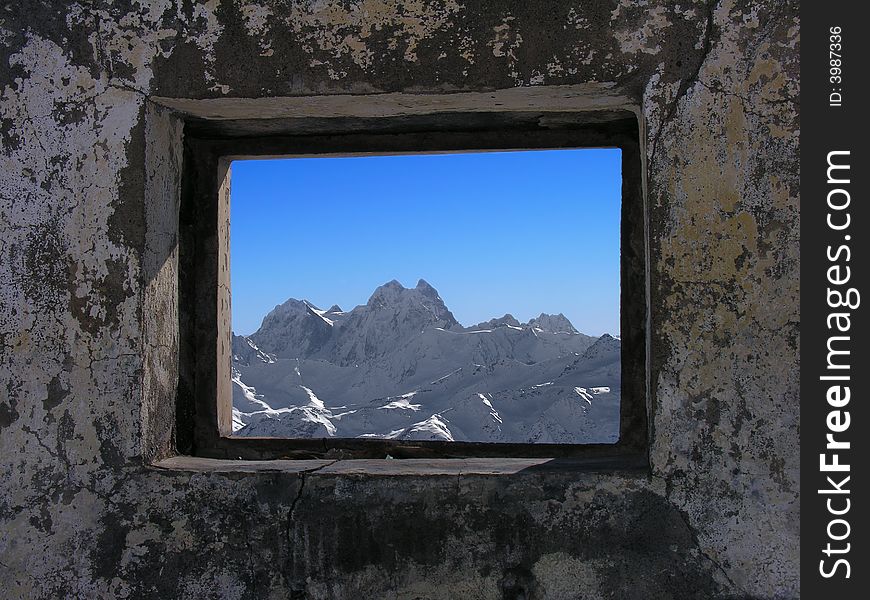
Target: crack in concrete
column 115, row 83
column 687, row 83
column 298, row 497
column 288, row 529
column 706, row 555
column 52, row 453
column 745, row 102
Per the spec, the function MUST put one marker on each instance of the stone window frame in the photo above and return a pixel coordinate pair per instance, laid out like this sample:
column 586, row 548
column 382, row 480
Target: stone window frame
column 190, row 207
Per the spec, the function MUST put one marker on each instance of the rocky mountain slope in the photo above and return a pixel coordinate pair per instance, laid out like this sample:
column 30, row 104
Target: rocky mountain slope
column 402, row 367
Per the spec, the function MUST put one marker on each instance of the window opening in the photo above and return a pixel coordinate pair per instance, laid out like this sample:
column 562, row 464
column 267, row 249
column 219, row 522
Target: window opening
column 466, row 297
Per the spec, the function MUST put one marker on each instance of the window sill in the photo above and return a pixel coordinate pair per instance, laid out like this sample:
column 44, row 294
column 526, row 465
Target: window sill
column 409, row 467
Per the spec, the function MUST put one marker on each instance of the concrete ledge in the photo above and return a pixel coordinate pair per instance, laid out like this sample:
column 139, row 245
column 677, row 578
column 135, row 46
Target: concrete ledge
column 407, row 467
column 218, row 465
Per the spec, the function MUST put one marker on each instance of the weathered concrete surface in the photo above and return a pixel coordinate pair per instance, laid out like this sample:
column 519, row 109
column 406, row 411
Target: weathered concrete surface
column 82, row 516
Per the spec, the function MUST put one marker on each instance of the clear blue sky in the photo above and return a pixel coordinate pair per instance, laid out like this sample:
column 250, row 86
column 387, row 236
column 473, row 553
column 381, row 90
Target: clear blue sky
column 494, row 233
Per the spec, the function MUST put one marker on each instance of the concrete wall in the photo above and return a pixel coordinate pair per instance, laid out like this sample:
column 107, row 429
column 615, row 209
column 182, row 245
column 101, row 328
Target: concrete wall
column 84, row 514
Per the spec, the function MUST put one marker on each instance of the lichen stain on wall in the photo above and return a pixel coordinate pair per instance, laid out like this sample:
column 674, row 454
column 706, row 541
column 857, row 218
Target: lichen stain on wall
column 731, row 294
column 81, row 516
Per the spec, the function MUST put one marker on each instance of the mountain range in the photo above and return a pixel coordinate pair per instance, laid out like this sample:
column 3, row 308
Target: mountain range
column 402, row 367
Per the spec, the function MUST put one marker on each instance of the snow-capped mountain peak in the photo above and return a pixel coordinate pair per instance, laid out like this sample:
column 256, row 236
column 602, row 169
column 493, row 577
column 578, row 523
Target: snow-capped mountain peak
column 423, row 299
column 553, row 323
column 508, row 320
column 292, row 329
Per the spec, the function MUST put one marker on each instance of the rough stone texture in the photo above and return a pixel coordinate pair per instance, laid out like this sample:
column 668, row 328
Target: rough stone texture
column 83, row 515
